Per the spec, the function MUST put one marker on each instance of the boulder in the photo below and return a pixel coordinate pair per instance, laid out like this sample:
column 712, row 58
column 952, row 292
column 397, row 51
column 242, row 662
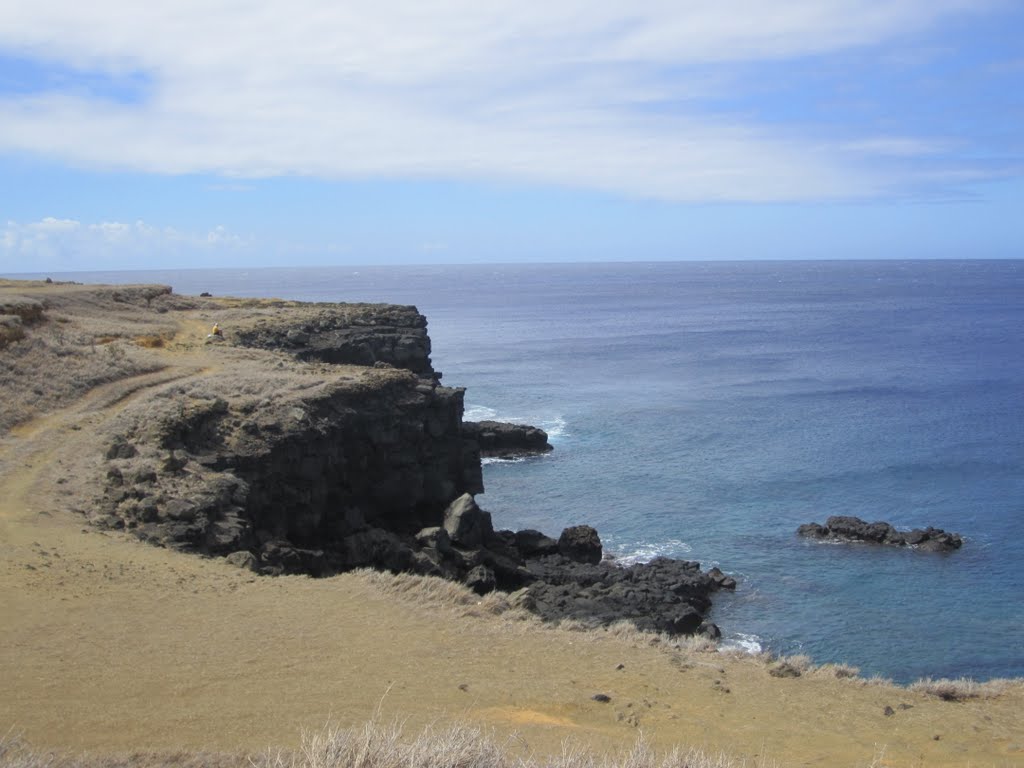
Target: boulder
column 684, row 621
column 245, row 560
column 282, row 557
column 710, row 630
column 533, row 543
column 121, row 449
column 466, row 523
column 435, row 538
column 581, row 544
column 377, row 548
column 722, row 581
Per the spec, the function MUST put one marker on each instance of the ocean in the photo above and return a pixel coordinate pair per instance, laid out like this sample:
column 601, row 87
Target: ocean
column 705, row 410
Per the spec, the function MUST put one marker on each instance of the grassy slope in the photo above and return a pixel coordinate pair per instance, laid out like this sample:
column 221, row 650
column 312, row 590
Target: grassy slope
column 109, row 645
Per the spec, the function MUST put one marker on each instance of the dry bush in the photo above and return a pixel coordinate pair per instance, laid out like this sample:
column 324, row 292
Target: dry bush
column 961, row 689
column 418, row 589
column 152, row 340
column 437, row 592
column 801, row 662
column 11, row 330
column 628, row 632
column 841, row 671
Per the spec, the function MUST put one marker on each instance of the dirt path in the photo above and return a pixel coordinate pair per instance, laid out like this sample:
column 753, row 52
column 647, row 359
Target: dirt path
column 108, row 644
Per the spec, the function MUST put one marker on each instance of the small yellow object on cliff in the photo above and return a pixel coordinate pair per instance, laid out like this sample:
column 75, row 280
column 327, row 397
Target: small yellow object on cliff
column 216, row 330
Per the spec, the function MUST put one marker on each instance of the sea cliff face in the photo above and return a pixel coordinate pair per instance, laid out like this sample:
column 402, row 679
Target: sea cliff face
column 271, row 453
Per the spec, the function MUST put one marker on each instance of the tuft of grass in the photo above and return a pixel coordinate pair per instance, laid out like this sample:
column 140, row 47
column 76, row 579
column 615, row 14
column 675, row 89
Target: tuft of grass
column 374, row 745
column 960, row 689
column 841, row 671
column 879, row 680
column 152, row 341
column 11, row 330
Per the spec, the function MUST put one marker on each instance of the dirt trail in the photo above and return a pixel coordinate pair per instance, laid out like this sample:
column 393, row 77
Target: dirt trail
column 107, row 644
column 45, row 443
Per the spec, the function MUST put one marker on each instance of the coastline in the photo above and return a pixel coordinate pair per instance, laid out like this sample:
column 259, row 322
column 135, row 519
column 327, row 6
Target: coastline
column 106, row 635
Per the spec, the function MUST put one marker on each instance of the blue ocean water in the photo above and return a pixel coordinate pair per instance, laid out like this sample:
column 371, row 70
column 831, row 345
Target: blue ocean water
column 705, row 410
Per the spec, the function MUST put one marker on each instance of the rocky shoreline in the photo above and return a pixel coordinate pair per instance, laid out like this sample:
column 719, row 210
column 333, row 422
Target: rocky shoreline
column 325, row 442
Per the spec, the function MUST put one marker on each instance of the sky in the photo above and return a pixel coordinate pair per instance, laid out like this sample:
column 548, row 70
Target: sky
column 218, row 133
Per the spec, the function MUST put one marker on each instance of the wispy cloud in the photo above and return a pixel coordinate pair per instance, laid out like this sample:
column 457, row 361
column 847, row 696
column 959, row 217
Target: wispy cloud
column 557, row 93
column 897, row 146
column 53, row 243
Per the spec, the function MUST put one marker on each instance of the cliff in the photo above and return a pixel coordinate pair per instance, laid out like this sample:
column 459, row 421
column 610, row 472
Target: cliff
column 319, row 422
column 317, row 438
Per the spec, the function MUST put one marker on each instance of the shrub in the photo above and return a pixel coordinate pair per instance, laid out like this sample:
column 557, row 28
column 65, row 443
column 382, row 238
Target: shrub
column 960, row 689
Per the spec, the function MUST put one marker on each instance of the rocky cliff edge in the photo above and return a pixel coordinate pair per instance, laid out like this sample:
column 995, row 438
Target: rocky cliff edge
column 313, row 439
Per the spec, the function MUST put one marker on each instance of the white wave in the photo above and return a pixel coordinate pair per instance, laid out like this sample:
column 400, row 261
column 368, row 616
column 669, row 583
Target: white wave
column 479, row 413
column 500, row 460
column 555, row 426
column 740, row 642
column 645, row 551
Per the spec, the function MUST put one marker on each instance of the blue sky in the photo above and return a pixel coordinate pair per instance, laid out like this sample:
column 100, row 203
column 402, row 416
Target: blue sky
column 220, row 133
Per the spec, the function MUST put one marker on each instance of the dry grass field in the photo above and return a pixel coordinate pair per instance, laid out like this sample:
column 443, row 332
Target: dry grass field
column 113, row 652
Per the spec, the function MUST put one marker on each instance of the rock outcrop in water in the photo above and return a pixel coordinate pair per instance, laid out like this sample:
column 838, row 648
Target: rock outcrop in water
column 322, row 440
column 846, row 528
column 498, row 439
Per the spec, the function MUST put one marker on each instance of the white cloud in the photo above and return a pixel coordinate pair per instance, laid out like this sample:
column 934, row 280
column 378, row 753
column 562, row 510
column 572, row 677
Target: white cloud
column 51, row 225
column 535, row 92
column 54, row 244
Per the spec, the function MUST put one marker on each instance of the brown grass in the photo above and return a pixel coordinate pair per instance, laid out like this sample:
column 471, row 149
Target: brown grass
column 153, row 341
column 387, row 746
column 78, row 343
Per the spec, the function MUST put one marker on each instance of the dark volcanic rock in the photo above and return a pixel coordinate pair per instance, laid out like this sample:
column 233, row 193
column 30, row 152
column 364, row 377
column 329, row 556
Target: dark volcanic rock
column 498, row 439
column 846, row 528
column 313, row 468
column 467, row 525
column 533, row 543
column 663, row 595
column 580, row 543
column 351, row 334
column 722, row 580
